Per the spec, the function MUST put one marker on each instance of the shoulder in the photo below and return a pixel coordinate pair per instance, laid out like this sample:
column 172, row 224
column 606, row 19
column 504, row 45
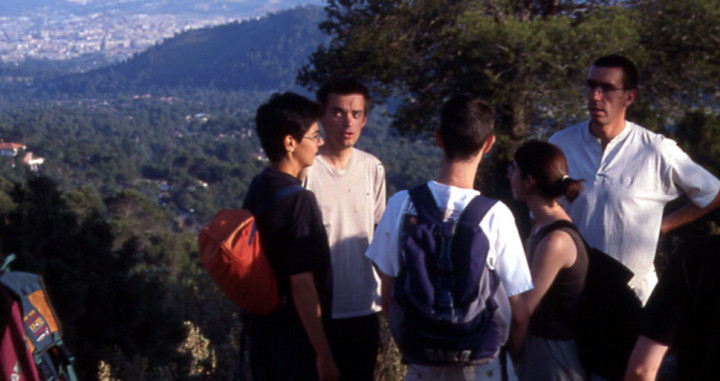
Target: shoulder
column 500, row 215
column 654, row 143
column 647, row 136
column 500, row 227
column 558, row 244
column 365, row 156
column 398, row 203
column 571, row 133
column 303, row 200
column 367, row 159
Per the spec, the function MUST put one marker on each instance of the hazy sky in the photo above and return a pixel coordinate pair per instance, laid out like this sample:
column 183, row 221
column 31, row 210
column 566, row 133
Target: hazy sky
column 247, row 8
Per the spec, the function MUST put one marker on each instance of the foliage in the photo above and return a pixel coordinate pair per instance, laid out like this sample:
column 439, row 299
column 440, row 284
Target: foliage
column 101, row 297
column 529, row 57
column 681, row 64
column 526, row 56
column 389, row 365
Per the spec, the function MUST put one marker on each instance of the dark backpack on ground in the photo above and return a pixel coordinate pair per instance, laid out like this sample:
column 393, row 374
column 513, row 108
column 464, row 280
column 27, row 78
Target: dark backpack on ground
column 447, row 306
column 609, row 314
column 42, row 328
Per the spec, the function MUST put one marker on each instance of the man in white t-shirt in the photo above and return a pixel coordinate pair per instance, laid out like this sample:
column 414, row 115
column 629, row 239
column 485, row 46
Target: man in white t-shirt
column 349, row 185
column 465, row 135
column 630, row 174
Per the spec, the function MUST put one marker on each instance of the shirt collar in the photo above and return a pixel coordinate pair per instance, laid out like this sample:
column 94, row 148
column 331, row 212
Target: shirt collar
column 590, row 138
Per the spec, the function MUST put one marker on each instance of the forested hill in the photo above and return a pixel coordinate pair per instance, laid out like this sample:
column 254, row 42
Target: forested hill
column 259, row 54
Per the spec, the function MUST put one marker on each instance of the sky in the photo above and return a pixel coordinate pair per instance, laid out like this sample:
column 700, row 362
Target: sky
column 246, row 8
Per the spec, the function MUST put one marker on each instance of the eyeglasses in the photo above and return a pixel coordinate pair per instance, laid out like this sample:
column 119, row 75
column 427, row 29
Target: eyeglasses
column 604, row 88
column 317, row 138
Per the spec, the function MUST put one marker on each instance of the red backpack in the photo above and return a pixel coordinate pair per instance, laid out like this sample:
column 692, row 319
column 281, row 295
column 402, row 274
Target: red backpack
column 231, row 253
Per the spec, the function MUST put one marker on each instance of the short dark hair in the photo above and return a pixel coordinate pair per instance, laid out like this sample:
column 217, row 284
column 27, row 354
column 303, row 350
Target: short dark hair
column 465, row 124
column 549, row 168
column 631, row 78
column 342, row 86
column 284, row 114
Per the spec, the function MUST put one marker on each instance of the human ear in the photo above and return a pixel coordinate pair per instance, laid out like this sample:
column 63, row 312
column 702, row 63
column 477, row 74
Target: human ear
column 289, row 143
column 630, row 96
column 487, row 145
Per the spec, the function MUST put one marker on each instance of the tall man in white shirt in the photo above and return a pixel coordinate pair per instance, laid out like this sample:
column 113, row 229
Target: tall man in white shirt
column 630, row 173
column 350, row 188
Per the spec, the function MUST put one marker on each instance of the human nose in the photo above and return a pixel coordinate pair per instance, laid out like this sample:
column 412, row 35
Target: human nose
column 594, row 93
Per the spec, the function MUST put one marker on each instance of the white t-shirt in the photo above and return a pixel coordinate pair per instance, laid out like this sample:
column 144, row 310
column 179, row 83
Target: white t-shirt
column 352, row 201
column 627, row 186
column 506, row 254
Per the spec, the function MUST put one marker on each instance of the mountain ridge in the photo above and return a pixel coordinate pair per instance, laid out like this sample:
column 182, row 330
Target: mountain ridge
column 262, row 54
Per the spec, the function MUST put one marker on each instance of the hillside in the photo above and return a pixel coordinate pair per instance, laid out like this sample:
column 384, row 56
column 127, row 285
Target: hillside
column 261, row 54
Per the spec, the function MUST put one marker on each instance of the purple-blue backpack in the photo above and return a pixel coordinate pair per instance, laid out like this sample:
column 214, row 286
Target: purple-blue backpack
column 447, row 307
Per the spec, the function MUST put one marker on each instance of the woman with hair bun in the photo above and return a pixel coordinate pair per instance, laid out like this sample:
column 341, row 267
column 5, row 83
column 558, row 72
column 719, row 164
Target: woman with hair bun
column 558, row 263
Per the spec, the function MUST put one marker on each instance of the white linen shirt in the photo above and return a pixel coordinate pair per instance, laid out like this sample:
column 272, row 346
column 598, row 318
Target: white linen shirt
column 626, row 188
column 506, row 254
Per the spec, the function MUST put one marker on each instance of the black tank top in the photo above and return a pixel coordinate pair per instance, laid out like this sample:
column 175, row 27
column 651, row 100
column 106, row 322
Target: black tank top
column 556, row 316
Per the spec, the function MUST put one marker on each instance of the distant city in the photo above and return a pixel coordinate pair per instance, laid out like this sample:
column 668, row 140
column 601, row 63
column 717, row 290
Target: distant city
column 115, row 32
column 67, row 36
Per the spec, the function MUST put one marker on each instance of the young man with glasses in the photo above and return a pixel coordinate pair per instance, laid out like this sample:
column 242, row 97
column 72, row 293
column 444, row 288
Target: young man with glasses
column 291, row 343
column 350, row 189
column 630, row 173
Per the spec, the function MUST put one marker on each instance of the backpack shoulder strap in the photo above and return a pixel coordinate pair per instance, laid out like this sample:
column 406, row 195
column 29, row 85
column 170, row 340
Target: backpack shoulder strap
column 424, row 203
column 476, row 210
column 284, row 192
column 600, row 262
column 6, row 263
column 277, row 196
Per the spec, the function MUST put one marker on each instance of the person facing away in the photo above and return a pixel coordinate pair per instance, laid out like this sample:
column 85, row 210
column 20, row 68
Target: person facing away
column 465, row 134
column 291, row 343
column 558, row 264
column 684, row 312
column 631, row 174
column 350, row 188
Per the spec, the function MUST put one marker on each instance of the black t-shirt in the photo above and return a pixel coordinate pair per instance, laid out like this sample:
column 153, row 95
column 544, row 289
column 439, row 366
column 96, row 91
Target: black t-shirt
column 684, row 309
column 292, row 234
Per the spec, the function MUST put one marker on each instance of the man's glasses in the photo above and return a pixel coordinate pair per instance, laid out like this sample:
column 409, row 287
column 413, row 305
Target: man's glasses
column 604, row 88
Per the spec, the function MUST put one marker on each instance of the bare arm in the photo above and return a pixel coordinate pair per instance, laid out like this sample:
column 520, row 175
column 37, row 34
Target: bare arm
column 645, row 360
column 518, row 326
column 554, row 253
column 686, row 214
column 307, row 303
column 386, row 286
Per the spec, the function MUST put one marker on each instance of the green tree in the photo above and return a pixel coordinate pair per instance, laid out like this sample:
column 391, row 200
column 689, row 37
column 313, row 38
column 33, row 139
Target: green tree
column 103, row 298
column 529, row 57
column 681, row 60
